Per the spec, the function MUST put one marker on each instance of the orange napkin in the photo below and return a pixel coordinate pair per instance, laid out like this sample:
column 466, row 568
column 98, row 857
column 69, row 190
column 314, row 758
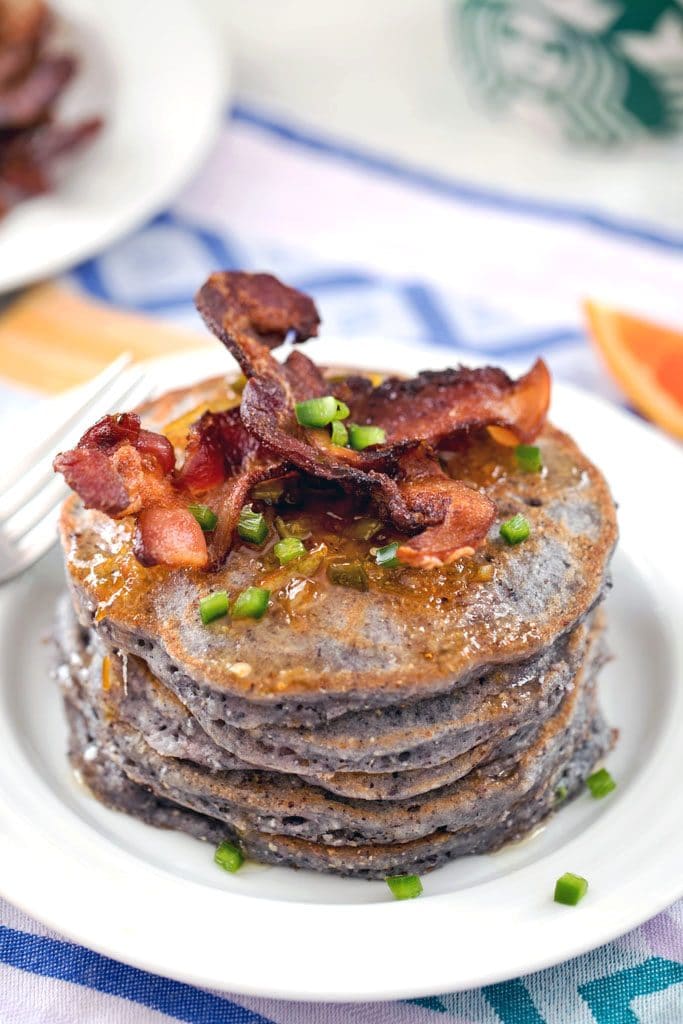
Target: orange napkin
column 51, row 338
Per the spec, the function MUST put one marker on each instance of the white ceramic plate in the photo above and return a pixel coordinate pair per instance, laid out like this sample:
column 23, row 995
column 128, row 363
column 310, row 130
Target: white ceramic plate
column 156, row 900
column 154, row 72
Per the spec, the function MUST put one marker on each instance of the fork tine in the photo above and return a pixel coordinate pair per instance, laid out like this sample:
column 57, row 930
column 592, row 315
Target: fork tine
column 140, row 390
column 39, row 505
column 31, row 546
column 21, row 492
column 92, row 391
column 29, row 515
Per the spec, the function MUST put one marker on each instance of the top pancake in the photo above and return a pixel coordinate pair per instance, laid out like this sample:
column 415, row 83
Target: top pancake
column 413, row 632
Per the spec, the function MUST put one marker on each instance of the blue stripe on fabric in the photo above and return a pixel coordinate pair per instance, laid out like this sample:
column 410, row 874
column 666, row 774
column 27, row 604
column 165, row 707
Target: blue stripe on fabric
column 519, row 345
column 218, row 250
column 335, row 279
column 609, row 998
column 440, row 329
column 220, row 254
column 429, row 1003
column 89, row 277
column 454, row 189
column 53, row 958
column 512, row 1002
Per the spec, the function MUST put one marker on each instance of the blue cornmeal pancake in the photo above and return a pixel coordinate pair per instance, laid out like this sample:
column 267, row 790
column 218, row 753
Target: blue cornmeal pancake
column 256, row 802
column 124, row 689
column 569, row 757
column 323, row 650
column 285, row 805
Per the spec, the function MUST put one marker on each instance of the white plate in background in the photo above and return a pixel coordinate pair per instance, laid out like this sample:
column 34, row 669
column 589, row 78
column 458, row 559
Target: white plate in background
column 156, row 74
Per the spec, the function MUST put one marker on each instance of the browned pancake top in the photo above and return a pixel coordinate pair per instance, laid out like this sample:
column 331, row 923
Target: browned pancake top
column 413, row 629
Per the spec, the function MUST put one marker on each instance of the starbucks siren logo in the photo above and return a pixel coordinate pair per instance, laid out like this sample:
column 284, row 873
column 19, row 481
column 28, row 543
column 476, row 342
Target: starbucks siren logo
column 592, row 71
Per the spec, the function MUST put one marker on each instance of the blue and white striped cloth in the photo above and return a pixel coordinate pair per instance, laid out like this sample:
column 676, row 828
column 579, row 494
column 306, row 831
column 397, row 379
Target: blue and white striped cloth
column 383, row 248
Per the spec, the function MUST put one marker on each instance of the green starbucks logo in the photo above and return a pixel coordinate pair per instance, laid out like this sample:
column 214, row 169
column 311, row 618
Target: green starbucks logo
column 591, row 70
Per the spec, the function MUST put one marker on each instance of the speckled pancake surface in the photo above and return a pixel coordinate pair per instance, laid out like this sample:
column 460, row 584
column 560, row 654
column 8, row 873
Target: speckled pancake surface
column 109, row 783
column 412, row 633
column 268, row 811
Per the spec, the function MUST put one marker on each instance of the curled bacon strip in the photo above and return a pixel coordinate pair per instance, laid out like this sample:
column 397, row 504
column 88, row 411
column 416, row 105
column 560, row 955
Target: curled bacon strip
column 115, row 463
column 122, row 469
column 22, row 30
column 222, row 457
column 461, row 516
column 437, row 404
column 411, row 489
column 252, row 313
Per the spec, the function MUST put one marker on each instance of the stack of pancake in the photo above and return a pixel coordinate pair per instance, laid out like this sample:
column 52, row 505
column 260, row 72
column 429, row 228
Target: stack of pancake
column 366, row 732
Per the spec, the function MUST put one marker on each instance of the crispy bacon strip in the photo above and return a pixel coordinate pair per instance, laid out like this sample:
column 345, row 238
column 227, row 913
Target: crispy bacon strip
column 32, row 80
column 14, row 60
column 222, row 457
column 437, row 404
column 91, row 474
column 22, row 22
column 23, row 28
column 411, row 491
column 26, row 158
column 117, row 466
column 253, row 313
column 25, row 102
column 122, row 469
column 250, row 314
column 421, row 496
column 462, row 516
column 170, row 536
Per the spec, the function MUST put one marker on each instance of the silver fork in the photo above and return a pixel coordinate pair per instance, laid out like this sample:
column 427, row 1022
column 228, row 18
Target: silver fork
column 31, row 497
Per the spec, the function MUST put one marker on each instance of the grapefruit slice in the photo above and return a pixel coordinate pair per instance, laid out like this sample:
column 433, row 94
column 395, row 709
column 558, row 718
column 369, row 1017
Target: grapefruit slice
column 646, row 360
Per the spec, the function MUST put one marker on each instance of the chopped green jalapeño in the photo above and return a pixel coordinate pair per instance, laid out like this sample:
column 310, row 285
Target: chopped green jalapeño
column 339, row 434
column 386, row 556
column 252, row 526
column 365, row 529
column 229, row 857
column 570, row 889
column 600, row 783
column 288, row 550
column 269, row 491
column 252, row 603
column 363, row 436
column 204, row 515
column 515, row 530
column 320, row 412
column 529, row 458
column 405, row 887
column 214, row 606
column 348, row 574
